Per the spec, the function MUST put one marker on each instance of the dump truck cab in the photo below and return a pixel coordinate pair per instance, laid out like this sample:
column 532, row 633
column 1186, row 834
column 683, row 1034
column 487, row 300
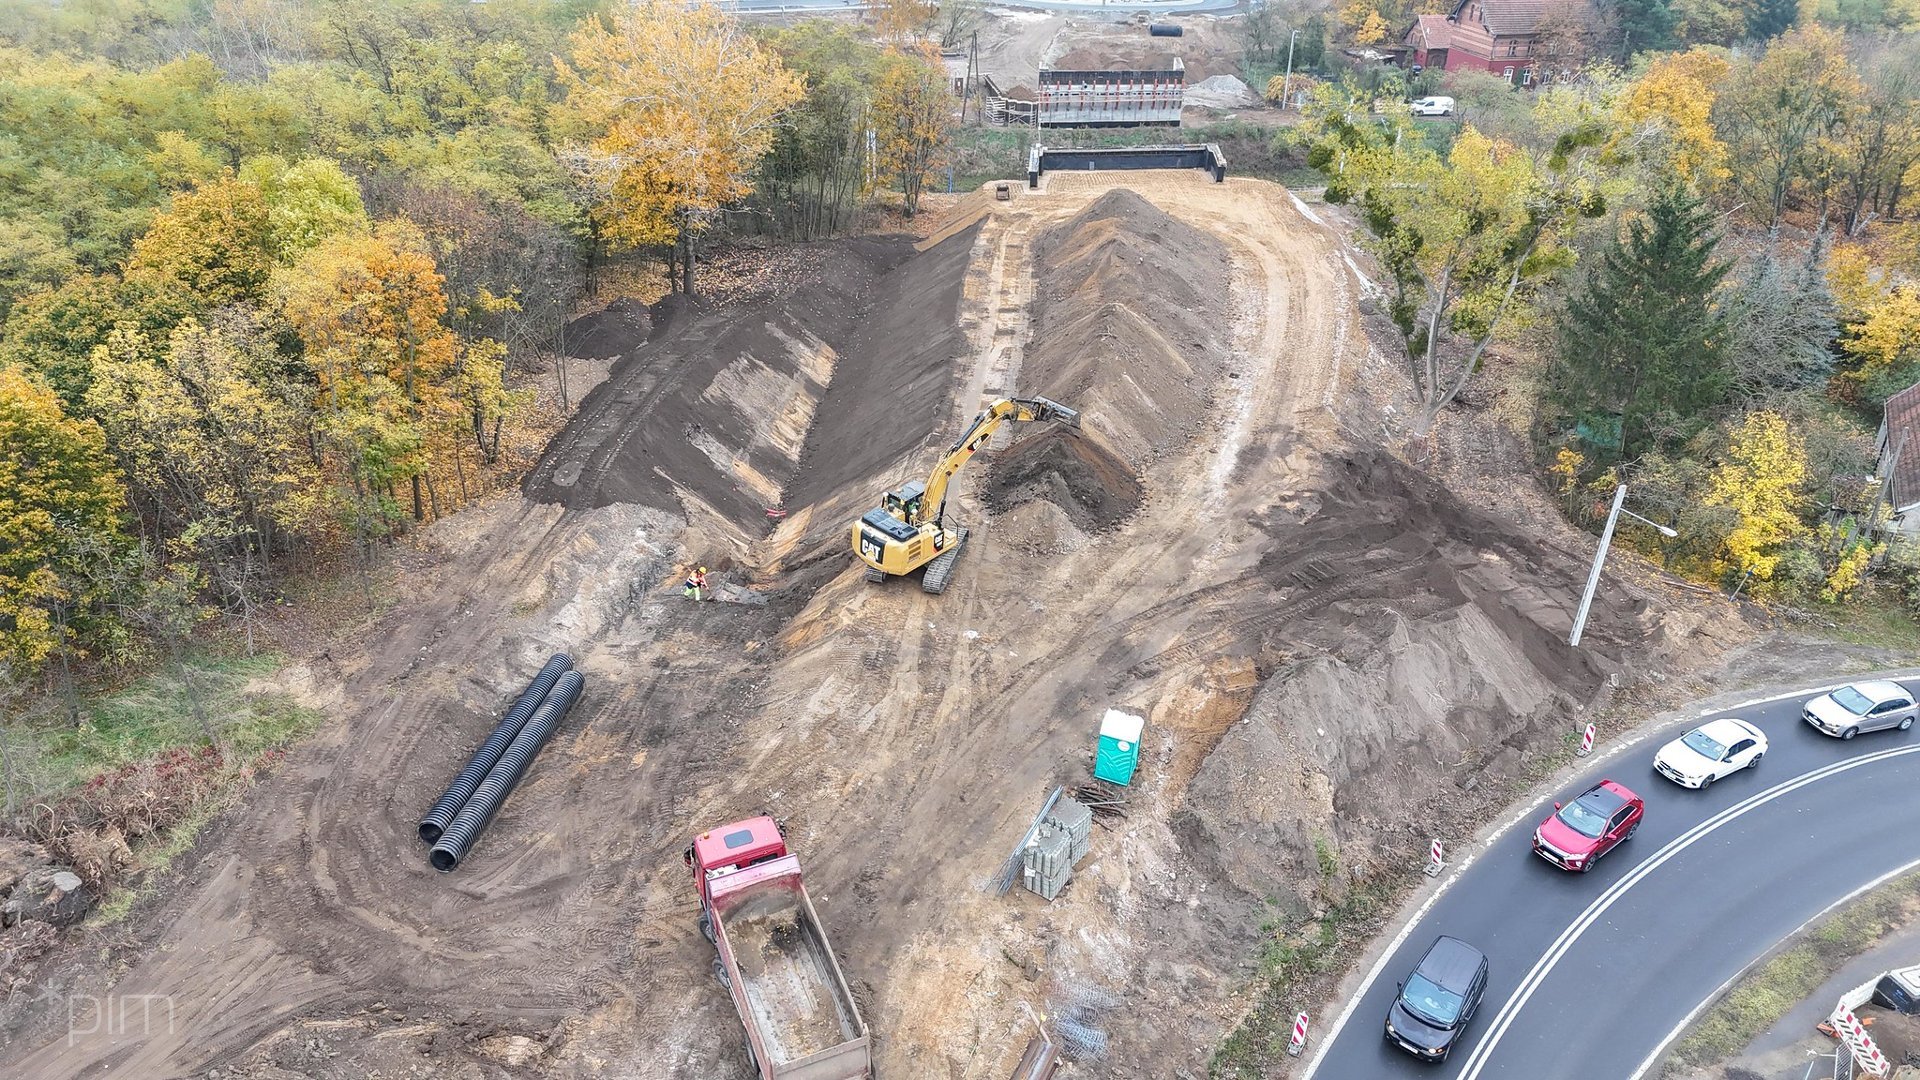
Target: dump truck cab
column 773, row 957
column 722, row 852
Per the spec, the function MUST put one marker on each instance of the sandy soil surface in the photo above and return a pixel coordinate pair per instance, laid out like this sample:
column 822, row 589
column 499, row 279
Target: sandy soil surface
column 1310, row 625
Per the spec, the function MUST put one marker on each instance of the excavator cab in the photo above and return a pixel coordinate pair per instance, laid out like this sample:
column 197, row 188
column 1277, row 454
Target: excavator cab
column 909, row 529
column 906, row 503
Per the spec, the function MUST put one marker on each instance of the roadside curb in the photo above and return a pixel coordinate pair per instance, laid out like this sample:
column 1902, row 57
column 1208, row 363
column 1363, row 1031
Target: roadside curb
column 1394, row 932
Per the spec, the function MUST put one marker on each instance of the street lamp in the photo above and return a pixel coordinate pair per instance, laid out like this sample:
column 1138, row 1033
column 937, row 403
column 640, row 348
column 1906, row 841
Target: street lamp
column 1606, row 539
column 1287, row 79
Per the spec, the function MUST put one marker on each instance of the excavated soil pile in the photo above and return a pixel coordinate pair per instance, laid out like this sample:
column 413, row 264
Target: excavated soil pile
column 1095, row 489
column 615, row 330
column 1131, row 324
column 724, row 407
column 1412, row 648
column 893, row 385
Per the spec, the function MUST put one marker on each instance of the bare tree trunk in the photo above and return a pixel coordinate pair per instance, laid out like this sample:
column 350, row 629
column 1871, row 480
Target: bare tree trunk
column 1441, row 400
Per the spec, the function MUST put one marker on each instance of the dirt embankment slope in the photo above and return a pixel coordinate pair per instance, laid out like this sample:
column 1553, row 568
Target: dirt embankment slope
column 1269, row 580
column 725, row 413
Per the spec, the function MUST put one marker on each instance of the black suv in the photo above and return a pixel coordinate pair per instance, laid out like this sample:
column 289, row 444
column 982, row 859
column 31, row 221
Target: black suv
column 1438, row 999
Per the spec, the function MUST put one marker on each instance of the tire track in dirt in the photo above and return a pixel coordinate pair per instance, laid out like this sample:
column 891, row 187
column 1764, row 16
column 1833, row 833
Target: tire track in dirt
column 965, row 736
column 905, row 752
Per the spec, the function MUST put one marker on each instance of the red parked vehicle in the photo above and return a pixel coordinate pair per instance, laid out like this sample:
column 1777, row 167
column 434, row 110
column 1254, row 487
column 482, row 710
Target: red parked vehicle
column 774, row 957
column 1603, row 817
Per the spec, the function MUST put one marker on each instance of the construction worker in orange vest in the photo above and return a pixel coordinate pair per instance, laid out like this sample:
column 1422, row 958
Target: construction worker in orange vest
column 697, row 584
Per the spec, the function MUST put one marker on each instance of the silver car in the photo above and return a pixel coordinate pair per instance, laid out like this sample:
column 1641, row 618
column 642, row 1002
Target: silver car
column 1867, row 706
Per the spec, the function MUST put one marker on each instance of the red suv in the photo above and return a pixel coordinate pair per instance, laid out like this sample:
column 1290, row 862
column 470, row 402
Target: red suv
column 1580, row 832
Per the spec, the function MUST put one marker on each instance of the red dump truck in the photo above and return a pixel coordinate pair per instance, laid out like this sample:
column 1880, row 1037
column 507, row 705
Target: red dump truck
column 801, row 1020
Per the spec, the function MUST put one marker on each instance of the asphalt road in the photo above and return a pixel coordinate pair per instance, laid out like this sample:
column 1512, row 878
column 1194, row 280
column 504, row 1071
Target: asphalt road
column 1590, row 973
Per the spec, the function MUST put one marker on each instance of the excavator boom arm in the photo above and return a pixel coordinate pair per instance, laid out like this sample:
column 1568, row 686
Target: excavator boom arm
column 984, row 425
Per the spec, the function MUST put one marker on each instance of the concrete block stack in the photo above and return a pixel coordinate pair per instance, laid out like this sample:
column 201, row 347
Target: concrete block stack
column 1075, row 820
column 1062, row 841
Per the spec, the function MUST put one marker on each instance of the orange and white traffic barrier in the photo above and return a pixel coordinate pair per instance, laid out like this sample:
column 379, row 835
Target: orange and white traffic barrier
column 1299, row 1040
column 1854, row 1034
column 1586, row 742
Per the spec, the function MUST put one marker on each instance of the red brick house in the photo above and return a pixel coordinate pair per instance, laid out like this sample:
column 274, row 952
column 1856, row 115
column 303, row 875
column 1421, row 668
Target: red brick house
column 1500, row 36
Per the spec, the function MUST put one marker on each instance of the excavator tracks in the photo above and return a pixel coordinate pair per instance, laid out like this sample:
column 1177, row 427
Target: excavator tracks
column 875, row 576
column 940, row 569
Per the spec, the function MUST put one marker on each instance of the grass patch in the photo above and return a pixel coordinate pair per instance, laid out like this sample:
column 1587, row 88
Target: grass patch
column 1296, row 952
column 155, row 714
column 1873, row 616
column 1765, row 994
column 128, row 789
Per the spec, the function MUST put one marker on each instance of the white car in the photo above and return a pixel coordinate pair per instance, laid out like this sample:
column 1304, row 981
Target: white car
column 1715, row 749
column 1432, row 106
column 1867, row 706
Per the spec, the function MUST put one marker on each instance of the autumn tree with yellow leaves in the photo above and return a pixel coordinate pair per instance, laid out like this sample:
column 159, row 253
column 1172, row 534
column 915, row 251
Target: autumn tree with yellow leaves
column 60, row 511
column 368, row 308
column 213, row 243
column 1665, row 119
column 1782, row 115
column 213, row 448
column 680, row 103
column 1465, row 238
column 1759, row 478
column 913, row 115
column 897, row 21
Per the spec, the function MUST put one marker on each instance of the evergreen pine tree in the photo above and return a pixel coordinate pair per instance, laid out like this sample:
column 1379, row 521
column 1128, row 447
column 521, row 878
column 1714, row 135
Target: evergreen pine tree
column 1642, row 358
column 1639, row 26
column 1768, row 19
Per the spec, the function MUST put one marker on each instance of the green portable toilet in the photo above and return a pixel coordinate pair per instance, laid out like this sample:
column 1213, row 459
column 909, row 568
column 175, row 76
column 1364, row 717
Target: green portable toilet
column 1119, row 751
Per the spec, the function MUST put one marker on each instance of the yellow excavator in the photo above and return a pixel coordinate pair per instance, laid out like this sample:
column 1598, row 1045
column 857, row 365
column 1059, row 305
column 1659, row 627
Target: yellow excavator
column 909, row 530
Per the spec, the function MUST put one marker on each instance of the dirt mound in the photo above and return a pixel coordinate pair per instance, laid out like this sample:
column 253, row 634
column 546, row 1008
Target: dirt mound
column 615, row 330
column 1414, row 643
column 1131, row 324
column 1075, row 473
column 893, row 384
column 726, row 406
column 1221, row 92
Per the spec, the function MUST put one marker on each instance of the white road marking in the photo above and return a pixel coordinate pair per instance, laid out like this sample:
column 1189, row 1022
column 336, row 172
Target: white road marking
column 1530, row 808
column 1572, row 934
column 1654, row 1058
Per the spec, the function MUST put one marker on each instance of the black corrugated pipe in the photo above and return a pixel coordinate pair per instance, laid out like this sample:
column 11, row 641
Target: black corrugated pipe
column 462, row 787
column 465, row 827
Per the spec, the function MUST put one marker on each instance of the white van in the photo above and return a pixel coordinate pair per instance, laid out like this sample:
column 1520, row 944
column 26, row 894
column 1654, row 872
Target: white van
column 1433, row 106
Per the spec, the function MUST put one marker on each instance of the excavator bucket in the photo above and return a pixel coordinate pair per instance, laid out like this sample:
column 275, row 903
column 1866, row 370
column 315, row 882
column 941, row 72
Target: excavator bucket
column 1050, row 409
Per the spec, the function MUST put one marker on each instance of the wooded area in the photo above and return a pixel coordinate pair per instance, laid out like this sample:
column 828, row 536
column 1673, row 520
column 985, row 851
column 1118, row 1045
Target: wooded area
column 276, row 275
column 1699, row 269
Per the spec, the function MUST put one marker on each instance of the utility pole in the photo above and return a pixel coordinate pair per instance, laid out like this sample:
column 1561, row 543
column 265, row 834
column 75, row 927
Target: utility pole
column 1600, row 556
column 1593, row 578
column 1287, row 79
column 966, row 81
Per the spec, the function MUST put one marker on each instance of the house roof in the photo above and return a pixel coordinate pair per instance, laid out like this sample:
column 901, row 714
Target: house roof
column 1903, row 432
column 1430, row 32
column 1512, row 18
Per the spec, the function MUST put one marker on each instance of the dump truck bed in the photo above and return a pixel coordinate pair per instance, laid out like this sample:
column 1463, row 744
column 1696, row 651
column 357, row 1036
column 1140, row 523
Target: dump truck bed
column 787, row 984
